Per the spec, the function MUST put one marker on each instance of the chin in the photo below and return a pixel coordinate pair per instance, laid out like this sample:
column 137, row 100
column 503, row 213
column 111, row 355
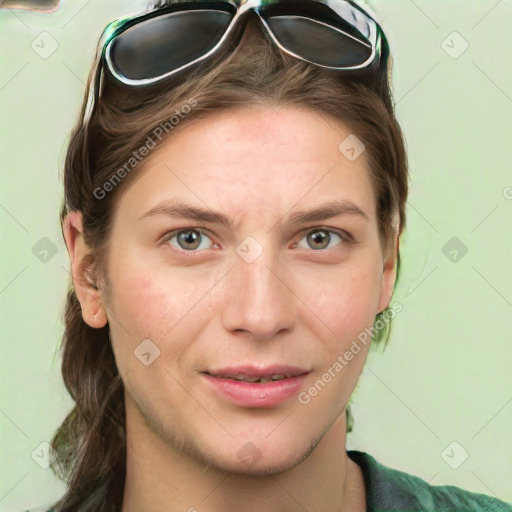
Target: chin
column 265, row 466
column 258, row 458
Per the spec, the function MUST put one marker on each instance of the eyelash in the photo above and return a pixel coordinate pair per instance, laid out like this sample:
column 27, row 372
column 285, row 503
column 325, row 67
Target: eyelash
column 346, row 238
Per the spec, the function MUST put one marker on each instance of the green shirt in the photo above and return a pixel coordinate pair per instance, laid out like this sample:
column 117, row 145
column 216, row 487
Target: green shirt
column 390, row 490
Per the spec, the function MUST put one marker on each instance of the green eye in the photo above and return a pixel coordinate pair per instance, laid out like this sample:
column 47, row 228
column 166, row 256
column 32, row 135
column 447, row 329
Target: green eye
column 329, row 232
column 186, row 236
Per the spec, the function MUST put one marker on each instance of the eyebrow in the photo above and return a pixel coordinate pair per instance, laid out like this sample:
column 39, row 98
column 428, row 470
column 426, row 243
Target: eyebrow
column 177, row 208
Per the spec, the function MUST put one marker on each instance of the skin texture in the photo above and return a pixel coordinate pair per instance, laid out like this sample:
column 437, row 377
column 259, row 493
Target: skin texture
column 302, row 302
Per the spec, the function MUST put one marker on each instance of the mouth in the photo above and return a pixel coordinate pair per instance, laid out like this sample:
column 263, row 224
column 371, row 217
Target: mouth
column 248, row 378
column 263, row 387
column 247, row 373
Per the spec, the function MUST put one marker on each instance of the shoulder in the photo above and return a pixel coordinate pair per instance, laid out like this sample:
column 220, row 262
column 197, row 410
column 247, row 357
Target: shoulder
column 391, row 490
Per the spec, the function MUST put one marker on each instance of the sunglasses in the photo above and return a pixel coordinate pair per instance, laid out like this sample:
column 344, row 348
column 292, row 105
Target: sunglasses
column 150, row 48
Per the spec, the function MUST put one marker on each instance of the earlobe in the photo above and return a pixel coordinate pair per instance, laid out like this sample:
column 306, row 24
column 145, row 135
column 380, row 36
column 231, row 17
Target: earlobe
column 87, row 288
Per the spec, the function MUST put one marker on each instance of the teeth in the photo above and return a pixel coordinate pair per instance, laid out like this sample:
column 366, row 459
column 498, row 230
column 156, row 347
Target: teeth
column 257, row 379
column 243, row 377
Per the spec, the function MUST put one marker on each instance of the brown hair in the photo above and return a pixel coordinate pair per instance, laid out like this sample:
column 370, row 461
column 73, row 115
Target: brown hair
column 91, row 442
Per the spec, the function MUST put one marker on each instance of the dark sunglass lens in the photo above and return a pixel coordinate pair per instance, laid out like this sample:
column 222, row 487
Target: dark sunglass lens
column 319, row 42
column 158, row 45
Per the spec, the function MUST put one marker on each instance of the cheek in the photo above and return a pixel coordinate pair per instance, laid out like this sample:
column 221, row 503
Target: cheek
column 146, row 306
column 346, row 303
column 149, row 306
column 157, row 303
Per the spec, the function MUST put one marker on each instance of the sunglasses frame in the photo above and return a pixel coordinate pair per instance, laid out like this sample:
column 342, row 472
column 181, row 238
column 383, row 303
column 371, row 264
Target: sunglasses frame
column 350, row 12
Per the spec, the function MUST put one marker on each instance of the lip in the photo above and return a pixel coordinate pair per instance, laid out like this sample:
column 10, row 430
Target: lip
column 257, row 371
column 254, row 394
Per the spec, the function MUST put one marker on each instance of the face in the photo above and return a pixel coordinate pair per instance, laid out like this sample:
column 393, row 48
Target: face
column 265, row 289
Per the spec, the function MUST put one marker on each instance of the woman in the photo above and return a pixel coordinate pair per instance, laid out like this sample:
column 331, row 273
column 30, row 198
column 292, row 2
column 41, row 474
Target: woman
column 217, row 375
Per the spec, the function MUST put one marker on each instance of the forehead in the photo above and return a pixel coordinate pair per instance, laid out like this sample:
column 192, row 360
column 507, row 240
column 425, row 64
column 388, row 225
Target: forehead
column 257, row 158
column 287, row 133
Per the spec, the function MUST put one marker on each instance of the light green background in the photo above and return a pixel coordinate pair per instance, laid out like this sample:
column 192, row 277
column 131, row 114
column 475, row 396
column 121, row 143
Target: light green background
column 447, row 373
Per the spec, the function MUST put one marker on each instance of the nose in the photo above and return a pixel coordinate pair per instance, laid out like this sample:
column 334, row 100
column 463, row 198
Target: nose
column 259, row 300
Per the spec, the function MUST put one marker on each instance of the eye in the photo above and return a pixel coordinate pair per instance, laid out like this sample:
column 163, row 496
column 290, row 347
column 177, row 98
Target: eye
column 320, row 238
column 187, row 239
column 191, row 239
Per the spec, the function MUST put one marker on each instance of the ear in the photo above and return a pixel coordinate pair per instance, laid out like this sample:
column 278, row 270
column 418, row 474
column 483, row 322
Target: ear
column 389, row 274
column 84, row 282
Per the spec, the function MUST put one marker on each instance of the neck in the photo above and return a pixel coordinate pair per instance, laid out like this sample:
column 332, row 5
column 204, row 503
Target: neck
column 163, row 476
